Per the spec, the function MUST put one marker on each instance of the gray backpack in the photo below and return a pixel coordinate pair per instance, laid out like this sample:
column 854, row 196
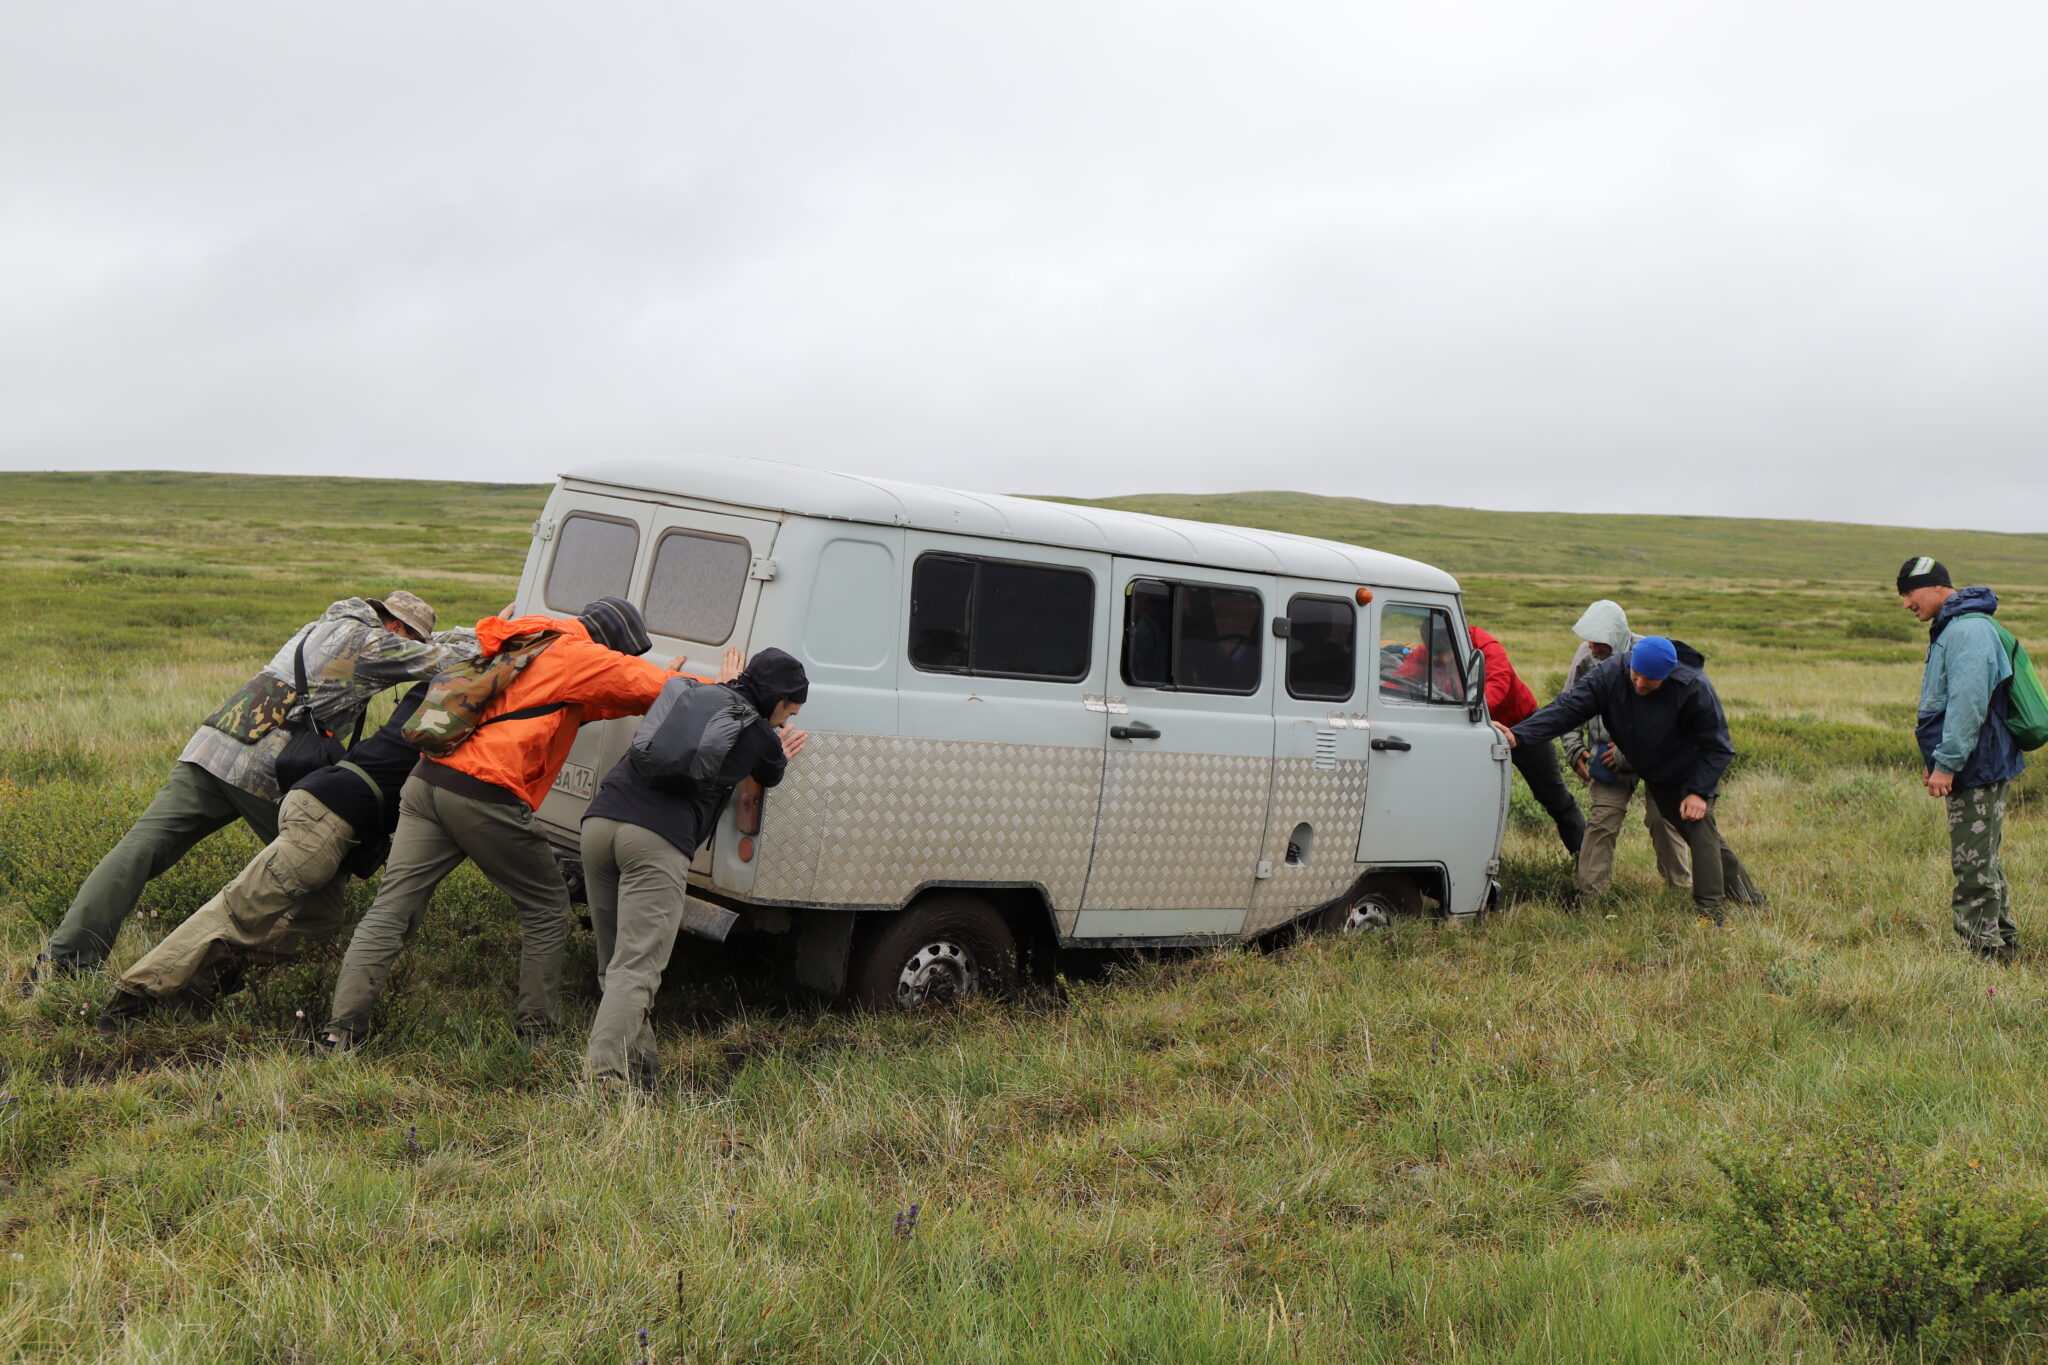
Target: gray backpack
column 688, row 734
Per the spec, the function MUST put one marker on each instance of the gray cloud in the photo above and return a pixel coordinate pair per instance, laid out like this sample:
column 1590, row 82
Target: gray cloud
column 1749, row 259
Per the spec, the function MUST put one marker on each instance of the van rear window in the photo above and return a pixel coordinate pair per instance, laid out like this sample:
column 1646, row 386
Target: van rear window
column 694, row 591
column 1321, row 651
column 593, row 559
column 999, row 618
column 1190, row 637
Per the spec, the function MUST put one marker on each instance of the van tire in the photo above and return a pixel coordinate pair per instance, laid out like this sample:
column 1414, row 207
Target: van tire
column 942, row 949
column 1373, row 907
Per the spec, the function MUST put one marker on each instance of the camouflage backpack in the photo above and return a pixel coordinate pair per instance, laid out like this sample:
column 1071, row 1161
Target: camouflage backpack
column 458, row 697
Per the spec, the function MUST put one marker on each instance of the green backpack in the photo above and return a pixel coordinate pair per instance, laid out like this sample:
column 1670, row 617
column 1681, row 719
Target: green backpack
column 2026, row 713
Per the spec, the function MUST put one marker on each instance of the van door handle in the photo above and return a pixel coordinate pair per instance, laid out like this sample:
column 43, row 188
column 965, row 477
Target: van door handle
column 1138, row 731
column 1394, row 742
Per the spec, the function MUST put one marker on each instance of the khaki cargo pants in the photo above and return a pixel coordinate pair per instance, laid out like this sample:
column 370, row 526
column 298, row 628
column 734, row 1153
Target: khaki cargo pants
column 289, row 895
column 437, row 830
column 192, row 804
column 1606, row 809
column 1983, row 902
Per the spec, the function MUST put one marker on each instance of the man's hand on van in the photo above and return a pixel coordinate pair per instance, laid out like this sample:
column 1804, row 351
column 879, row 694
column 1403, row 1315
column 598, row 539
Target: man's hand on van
column 732, row 665
column 792, row 742
column 1507, row 736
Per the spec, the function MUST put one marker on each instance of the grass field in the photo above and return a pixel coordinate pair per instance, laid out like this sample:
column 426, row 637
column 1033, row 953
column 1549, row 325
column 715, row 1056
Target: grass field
column 1489, row 1145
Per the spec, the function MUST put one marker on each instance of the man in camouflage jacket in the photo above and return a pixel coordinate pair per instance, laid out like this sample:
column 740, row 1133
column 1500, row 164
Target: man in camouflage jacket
column 356, row 649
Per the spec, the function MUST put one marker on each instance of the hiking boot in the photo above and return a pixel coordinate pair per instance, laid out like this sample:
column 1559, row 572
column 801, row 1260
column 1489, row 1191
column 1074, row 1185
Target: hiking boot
column 1710, row 920
column 332, row 1044
column 44, row 970
column 124, row 1009
column 2002, row 955
column 534, row 1037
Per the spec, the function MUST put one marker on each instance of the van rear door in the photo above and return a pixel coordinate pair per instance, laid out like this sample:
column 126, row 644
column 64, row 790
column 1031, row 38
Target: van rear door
column 695, row 573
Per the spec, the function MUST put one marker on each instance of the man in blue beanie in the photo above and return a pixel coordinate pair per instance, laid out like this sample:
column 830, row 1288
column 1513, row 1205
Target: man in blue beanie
column 1659, row 707
column 1971, row 758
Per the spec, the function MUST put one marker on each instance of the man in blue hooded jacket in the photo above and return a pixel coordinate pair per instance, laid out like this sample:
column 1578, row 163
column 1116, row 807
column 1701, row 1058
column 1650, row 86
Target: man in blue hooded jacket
column 1659, row 707
column 1970, row 756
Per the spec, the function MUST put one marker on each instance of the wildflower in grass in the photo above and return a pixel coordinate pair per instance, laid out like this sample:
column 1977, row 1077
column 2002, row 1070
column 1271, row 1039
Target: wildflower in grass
column 646, row 1356
column 412, row 1141
column 906, row 1223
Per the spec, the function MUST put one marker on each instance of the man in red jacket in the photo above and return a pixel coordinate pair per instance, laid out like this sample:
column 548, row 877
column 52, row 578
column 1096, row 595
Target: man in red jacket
column 1510, row 702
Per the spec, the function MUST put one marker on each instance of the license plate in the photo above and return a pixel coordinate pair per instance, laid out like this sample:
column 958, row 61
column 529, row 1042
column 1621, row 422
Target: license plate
column 576, row 780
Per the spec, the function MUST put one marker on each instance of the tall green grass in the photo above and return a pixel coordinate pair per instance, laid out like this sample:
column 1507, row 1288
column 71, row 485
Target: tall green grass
column 1494, row 1144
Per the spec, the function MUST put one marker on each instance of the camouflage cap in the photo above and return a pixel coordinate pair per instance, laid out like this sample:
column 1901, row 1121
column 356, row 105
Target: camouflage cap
column 407, row 607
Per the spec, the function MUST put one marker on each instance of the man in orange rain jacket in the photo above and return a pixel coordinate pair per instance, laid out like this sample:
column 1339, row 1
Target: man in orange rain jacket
column 478, row 803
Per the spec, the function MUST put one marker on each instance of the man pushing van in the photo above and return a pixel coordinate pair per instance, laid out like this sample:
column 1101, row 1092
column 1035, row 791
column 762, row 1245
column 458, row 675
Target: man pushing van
column 656, row 806
column 334, row 823
column 494, row 741
column 1660, row 708
column 358, row 647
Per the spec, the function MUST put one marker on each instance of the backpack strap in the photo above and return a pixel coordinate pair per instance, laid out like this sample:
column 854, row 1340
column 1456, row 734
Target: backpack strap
column 370, row 781
column 525, row 713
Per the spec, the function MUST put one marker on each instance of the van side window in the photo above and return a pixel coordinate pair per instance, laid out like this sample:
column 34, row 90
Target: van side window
column 1190, row 637
column 1321, row 655
column 1419, row 656
column 999, row 618
column 694, row 591
column 593, row 559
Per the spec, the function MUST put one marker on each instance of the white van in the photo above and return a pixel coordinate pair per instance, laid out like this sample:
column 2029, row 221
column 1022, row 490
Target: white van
column 1037, row 726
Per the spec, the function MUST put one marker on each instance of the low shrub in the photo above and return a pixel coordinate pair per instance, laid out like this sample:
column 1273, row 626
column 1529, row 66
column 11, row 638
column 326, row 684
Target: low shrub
column 1930, row 1252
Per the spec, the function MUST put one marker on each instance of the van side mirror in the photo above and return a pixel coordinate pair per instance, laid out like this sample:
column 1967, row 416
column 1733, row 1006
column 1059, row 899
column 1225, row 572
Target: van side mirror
column 1475, row 687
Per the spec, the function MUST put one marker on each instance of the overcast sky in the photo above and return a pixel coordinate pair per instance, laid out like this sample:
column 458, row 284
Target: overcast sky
column 1774, row 259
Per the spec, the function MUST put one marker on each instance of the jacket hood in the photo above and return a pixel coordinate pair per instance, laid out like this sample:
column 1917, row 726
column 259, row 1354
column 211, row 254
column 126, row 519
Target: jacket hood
column 1965, row 601
column 493, row 631
column 1605, row 623
column 353, row 609
column 1690, row 660
column 772, row 676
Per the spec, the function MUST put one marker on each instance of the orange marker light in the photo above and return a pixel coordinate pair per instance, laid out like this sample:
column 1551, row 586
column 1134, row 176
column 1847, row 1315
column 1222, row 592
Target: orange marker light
column 746, row 850
column 1364, row 596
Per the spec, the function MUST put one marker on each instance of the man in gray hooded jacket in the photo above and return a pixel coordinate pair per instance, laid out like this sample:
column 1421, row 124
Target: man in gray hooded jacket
column 1610, row 781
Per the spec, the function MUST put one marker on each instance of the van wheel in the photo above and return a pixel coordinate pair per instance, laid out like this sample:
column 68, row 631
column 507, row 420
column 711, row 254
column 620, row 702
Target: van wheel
column 1374, row 907
column 940, row 950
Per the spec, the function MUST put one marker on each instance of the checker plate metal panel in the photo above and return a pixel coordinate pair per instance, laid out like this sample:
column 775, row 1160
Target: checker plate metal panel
column 867, row 819
column 1331, row 801
column 1179, row 831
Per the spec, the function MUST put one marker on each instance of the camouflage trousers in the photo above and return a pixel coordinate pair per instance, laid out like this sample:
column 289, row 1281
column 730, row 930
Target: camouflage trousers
column 1983, row 903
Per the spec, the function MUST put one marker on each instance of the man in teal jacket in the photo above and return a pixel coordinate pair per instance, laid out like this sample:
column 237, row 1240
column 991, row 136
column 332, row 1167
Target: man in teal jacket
column 1970, row 756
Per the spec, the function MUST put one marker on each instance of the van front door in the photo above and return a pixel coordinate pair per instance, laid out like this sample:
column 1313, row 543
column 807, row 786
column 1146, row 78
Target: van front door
column 1190, row 755
column 1437, row 794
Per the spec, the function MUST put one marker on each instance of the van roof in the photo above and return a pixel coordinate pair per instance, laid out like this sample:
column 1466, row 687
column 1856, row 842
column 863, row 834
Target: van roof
column 773, row 485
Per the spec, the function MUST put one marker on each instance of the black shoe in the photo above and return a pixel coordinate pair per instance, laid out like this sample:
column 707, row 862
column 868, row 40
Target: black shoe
column 534, row 1037
column 1707, row 919
column 332, row 1044
column 2002, row 955
column 126, row 1008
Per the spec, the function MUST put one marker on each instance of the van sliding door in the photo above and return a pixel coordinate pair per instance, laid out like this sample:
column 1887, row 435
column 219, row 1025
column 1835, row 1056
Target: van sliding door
column 1190, row 754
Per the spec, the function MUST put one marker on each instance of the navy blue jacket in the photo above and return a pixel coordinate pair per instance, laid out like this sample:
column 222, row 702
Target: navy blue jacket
column 1675, row 737
column 1967, row 676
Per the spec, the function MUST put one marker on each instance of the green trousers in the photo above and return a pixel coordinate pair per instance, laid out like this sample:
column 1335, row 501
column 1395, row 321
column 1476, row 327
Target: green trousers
column 636, row 881
column 437, row 830
column 193, row 804
column 1983, row 902
column 288, row 896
